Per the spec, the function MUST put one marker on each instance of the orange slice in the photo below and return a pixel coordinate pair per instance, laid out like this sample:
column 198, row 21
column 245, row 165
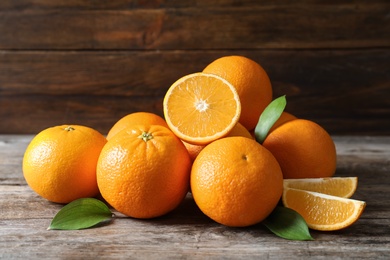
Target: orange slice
column 321, row 211
column 337, row 186
column 200, row 108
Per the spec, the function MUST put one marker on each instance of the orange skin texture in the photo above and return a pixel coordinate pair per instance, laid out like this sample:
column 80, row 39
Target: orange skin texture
column 303, row 149
column 236, row 182
column 144, row 177
column 136, row 118
column 60, row 165
column 251, row 82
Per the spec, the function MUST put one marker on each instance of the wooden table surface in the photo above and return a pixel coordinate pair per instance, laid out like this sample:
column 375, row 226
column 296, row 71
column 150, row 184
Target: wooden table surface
column 186, row 233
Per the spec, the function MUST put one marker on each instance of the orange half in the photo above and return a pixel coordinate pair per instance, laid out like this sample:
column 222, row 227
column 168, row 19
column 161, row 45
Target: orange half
column 321, row 211
column 200, row 108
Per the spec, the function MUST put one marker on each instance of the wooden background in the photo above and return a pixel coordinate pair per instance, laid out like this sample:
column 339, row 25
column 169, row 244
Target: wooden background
column 91, row 62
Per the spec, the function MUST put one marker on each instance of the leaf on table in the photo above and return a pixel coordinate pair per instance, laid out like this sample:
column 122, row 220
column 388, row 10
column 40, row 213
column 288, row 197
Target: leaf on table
column 268, row 118
column 80, row 214
column 288, row 224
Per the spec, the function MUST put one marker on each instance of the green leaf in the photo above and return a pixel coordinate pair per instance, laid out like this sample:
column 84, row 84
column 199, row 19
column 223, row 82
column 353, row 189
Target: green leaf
column 268, row 118
column 288, row 224
column 80, row 214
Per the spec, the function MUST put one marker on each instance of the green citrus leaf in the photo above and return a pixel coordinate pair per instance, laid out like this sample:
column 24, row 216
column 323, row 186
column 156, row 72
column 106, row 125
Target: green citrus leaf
column 288, row 224
column 268, row 118
column 80, row 214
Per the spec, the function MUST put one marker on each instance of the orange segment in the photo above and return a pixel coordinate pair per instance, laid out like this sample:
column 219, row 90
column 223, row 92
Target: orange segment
column 200, row 108
column 337, row 186
column 321, row 211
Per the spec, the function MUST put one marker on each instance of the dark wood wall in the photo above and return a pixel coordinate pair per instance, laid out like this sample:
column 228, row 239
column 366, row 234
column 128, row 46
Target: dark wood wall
column 91, row 62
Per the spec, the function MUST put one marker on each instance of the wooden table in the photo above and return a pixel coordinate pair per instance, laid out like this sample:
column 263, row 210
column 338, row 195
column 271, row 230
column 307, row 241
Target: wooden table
column 186, row 232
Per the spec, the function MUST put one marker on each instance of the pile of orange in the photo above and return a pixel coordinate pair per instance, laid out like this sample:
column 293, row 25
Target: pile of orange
column 204, row 144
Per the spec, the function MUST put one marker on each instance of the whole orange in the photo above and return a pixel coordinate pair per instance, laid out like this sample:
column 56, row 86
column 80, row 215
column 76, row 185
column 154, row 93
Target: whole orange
column 238, row 130
column 251, row 82
column 136, row 118
column 143, row 171
column 60, row 162
column 236, row 182
column 303, row 149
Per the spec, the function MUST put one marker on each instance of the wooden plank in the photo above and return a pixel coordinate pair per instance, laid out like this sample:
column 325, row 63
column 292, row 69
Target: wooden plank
column 345, row 91
column 124, row 73
column 7, row 5
column 108, row 5
column 133, row 73
column 128, row 238
column 12, row 149
column 32, row 114
column 246, row 26
column 186, row 232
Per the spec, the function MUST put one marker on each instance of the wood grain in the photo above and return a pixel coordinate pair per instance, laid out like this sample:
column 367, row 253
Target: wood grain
column 186, row 232
column 346, row 91
column 92, row 62
column 251, row 26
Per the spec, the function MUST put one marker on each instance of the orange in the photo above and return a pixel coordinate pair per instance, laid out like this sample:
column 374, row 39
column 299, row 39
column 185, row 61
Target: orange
column 284, row 118
column 251, row 82
column 136, row 118
column 321, row 211
column 238, row 130
column 236, row 182
column 336, row 186
column 193, row 149
column 200, row 108
column 60, row 162
column 143, row 171
column 303, row 149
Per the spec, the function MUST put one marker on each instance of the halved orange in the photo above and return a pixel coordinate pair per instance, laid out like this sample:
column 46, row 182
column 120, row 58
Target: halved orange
column 321, row 211
column 200, row 108
column 337, row 186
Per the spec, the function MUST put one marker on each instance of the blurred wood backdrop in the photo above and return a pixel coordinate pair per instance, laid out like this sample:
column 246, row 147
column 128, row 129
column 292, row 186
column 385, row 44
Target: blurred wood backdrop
column 91, row 62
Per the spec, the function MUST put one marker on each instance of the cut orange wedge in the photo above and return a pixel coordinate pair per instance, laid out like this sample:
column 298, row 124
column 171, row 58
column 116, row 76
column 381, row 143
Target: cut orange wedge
column 337, row 186
column 200, row 108
column 321, row 211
